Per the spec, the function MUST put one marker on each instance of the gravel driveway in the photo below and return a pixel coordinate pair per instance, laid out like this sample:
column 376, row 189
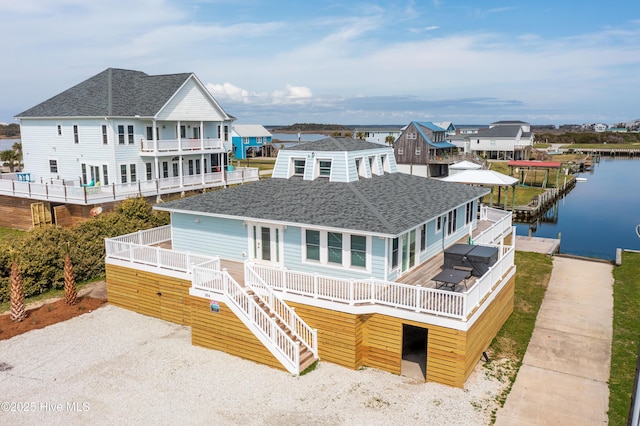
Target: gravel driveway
column 113, row 366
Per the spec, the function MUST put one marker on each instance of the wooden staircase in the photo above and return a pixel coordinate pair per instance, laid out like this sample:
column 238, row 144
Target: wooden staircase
column 307, row 358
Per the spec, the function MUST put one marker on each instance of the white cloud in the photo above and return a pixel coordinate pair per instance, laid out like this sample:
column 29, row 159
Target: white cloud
column 290, row 95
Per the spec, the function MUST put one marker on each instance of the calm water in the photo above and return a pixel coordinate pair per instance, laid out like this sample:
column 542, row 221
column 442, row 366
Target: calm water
column 598, row 215
column 304, row 137
column 7, row 143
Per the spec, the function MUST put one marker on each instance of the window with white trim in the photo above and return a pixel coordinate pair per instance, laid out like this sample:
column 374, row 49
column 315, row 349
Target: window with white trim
column 59, row 129
column 324, row 168
column 452, row 221
column 132, row 172
column 76, row 136
column 400, row 150
column 423, row 237
column 105, row 138
column 53, row 166
column 359, row 251
column 298, row 166
column 418, row 149
column 336, row 249
column 313, row 244
column 120, row 134
column 468, row 213
column 334, row 244
column 438, row 224
column 130, row 134
column 395, row 244
column 123, row 173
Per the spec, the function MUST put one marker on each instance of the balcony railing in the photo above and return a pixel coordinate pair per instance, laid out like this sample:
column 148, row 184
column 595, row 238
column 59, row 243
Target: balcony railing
column 177, row 145
column 386, row 293
column 502, row 225
column 141, row 247
column 58, row 192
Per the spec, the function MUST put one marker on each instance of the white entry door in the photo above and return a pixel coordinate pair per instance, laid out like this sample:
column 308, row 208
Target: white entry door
column 267, row 244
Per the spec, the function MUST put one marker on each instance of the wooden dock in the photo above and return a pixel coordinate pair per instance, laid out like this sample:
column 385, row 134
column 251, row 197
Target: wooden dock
column 542, row 203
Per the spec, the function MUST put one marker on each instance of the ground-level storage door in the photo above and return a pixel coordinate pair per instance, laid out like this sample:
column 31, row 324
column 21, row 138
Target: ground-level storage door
column 414, row 351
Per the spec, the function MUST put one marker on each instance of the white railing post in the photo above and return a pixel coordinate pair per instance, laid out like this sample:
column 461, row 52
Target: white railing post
column 418, row 293
column 283, row 279
column 314, row 345
column 315, row 285
column 131, row 252
column 351, row 289
column 291, row 319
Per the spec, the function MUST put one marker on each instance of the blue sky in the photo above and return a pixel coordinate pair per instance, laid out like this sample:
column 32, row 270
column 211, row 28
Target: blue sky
column 344, row 62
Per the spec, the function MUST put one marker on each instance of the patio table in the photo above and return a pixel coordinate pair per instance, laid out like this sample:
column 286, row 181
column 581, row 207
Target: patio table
column 449, row 278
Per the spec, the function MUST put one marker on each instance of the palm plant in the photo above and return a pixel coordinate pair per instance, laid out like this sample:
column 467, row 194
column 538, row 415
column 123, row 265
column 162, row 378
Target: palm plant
column 18, row 312
column 70, row 293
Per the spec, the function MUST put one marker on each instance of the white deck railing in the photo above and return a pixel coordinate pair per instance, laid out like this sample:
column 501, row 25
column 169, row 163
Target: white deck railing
column 307, row 335
column 265, row 328
column 176, row 145
column 386, row 293
column 114, row 192
column 138, row 247
column 502, row 224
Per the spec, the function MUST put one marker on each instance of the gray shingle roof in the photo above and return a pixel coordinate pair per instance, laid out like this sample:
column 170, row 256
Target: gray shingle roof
column 112, row 93
column 388, row 204
column 505, row 131
column 335, row 144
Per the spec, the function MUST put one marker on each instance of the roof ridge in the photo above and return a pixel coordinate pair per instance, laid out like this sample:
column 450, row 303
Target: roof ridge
column 369, row 205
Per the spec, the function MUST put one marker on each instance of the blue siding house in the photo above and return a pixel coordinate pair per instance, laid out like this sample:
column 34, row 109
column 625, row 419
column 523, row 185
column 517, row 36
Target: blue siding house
column 338, row 206
column 248, row 140
column 336, row 257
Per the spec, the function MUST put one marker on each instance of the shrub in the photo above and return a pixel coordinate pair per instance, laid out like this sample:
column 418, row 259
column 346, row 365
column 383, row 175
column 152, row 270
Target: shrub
column 40, row 252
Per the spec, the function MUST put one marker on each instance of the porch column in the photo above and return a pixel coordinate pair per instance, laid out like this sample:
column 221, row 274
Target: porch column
column 491, row 197
column 203, row 170
column 180, row 169
column 201, row 135
column 154, row 135
column 506, row 197
column 513, row 197
column 178, row 129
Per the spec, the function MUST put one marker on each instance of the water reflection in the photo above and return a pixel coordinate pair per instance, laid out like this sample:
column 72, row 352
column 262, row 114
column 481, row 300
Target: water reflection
column 598, row 215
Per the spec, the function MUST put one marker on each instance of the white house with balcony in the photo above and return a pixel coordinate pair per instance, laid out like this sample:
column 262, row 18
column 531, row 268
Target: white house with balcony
column 122, row 133
column 503, row 140
column 337, row 257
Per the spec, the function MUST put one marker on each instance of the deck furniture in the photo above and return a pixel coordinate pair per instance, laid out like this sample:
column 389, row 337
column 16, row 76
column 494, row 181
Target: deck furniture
column 450, row 278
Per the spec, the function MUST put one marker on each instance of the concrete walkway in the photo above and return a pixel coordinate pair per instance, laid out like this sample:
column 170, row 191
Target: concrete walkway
column 563, row 379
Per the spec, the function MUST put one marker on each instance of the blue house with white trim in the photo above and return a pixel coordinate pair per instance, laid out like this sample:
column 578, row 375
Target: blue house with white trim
column 248, row 140
column 336, row 257
column 336, row 206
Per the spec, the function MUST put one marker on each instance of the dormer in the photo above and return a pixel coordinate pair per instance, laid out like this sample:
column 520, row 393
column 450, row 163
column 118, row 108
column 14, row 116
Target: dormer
column 335, row 159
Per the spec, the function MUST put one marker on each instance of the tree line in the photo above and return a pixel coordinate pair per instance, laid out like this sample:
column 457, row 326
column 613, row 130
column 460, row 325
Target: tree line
column 10, row 130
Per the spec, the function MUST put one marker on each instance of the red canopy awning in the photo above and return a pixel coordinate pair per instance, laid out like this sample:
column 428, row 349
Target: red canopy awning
column 535, row 164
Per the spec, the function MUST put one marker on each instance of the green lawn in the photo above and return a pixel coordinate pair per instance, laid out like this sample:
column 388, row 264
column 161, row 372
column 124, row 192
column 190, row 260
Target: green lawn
column 9, row 234
column 626, row 336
